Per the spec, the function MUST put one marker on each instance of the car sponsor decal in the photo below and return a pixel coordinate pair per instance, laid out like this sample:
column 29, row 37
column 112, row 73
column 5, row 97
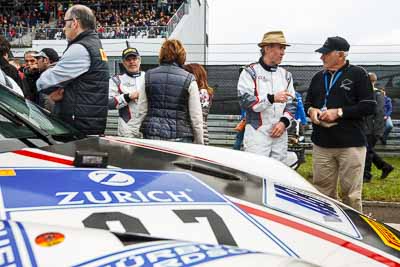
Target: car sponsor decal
column 388, row 237
column 8, row 247
column 69, row 187
column 133, row 201
column 318, row 233
column 49, row 239
column 7, row 172
column 171, row 254
column 26, row 248
column 308, row 206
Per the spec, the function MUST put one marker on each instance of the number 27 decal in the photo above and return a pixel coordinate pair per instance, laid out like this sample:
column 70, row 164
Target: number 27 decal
column 132, row 224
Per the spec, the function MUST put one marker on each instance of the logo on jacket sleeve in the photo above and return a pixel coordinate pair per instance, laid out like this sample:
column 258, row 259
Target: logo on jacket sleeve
column 103, row 55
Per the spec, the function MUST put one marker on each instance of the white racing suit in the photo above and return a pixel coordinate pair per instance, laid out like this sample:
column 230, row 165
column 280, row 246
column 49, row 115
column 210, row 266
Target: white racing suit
column 130, row 117
column 254, row 86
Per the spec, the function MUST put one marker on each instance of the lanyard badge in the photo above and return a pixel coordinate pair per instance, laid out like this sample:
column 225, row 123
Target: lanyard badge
column 328, row 86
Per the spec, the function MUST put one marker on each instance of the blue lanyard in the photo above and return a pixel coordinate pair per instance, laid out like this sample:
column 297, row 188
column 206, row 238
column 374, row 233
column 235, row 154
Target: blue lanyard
column 329, row 87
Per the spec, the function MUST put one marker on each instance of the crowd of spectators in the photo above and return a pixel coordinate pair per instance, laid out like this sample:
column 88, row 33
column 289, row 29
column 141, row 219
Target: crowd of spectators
column 17, row 16
column 115, row 19
column 127, row 23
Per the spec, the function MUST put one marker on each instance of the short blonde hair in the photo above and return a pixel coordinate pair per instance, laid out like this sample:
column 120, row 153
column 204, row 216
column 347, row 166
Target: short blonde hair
column 172, row 51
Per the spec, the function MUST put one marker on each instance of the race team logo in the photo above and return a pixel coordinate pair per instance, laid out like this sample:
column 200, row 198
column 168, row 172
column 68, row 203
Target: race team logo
column 346, row 84
column 103, row 55
column 111, row 178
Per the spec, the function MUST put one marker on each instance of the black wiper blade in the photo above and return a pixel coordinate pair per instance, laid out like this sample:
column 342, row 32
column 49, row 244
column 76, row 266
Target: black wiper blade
column 16, row 118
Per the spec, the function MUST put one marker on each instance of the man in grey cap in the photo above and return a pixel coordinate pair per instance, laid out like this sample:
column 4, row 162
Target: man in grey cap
column 126, row 91
column 266, row 93
column 46, row 59
column 338, row 99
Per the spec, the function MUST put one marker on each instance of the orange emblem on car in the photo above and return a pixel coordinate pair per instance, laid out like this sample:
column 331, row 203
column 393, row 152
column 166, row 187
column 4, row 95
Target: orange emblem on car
column 49, row 239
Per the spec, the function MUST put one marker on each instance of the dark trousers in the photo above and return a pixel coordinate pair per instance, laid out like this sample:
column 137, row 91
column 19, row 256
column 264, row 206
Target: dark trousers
column 372, row 157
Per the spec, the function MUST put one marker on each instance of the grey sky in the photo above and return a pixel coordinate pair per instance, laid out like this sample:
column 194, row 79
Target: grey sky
column 364, row 23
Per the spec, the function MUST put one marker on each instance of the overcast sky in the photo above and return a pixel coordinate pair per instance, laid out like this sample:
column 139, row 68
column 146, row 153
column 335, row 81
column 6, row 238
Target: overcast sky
column 372, row 27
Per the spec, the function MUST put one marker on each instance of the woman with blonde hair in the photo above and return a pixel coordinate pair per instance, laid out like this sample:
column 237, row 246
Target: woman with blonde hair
column 206, row 93
column 173, row 107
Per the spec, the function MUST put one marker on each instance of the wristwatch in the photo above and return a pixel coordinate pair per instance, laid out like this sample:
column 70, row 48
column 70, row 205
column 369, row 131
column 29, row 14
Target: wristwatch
column 340, row 112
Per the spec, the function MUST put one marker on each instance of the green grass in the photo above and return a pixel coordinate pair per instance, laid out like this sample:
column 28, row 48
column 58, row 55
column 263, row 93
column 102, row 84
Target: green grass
column 379, row 190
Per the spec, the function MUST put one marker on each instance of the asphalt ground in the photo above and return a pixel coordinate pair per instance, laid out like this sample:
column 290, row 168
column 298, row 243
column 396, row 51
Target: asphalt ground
column 388, row 212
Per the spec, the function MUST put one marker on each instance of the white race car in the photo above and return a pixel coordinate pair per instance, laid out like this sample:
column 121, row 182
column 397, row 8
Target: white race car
column 159, row 203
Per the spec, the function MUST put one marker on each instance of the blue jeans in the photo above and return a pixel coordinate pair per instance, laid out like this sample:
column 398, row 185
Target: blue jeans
column 388, row 129
column 239, row 140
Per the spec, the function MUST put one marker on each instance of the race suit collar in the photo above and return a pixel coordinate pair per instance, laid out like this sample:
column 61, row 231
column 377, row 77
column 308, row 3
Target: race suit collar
column 270, row 68
column 133, row 74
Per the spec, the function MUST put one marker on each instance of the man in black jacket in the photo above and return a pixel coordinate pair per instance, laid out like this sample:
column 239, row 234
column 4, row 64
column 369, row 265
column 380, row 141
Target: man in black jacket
column 78, row 83
column 374, row 128
column 338, row 98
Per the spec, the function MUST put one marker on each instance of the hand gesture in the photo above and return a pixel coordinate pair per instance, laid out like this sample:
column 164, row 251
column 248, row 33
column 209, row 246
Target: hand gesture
column 134, row 95
column 315, row 113
column 277, row 130
column 282, row 96
column 329, row 115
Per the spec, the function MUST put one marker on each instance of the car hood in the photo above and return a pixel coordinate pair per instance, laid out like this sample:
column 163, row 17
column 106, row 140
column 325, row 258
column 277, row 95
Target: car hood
column 191, row 192
column 228, row 171
column 33, row 244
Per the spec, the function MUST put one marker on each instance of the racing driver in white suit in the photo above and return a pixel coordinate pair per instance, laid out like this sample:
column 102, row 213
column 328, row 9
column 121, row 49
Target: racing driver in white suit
column 266, row 93
column 126, row 91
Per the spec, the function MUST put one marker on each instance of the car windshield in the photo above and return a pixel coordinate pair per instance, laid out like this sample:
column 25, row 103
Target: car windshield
column 21, row 118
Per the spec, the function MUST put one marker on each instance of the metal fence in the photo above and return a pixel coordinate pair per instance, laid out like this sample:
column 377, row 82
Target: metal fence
column 176, row 18
column 223, row 78
column 15, row 35
column 126, row 32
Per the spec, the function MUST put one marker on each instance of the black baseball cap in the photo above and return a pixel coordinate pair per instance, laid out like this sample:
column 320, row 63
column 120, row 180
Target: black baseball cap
column 130, row 51
column 336, row 43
